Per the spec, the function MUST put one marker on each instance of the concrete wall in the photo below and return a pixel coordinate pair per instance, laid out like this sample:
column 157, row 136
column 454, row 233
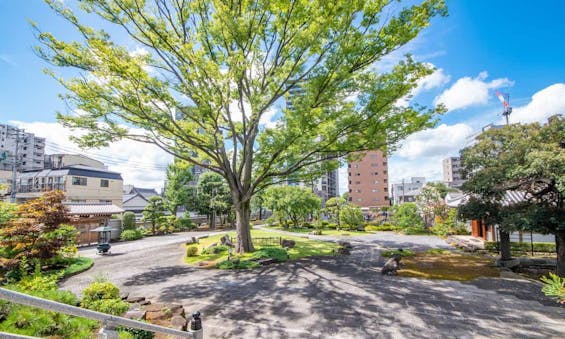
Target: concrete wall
column 92, row 192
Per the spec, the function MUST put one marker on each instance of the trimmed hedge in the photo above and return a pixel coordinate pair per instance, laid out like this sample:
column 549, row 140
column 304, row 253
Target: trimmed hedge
column 546, row 247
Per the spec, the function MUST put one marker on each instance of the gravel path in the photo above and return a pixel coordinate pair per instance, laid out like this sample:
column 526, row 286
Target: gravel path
column 330, row 297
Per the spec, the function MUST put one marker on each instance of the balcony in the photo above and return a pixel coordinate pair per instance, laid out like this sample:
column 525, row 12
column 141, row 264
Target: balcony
column 40, row 188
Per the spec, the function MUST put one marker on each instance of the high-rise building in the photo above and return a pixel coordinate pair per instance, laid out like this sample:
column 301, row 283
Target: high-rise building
column 407, row 191
column 452, row 175
column 25, row 149
column 368, row 180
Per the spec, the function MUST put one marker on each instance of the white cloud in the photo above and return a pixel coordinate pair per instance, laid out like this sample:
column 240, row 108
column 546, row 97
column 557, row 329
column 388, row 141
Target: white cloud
column 468, row 91
column 268, row 118
column 421, row 153
column 544, row 103
column 140, row 164
column 437, row 79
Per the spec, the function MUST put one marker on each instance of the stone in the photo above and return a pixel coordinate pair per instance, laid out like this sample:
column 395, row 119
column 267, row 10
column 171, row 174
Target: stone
column 178, row 311
column 345, row 244
column 512, row 263
column 191, row 241
column 178, row 323
column 173, row 307
column 267, row 261
column 156, row 307
column 134, row 299
column 391, row 266
column 159, row 315
column 124, row 295
column 134, row 306
column 285, row 243
column 135, row 314
column 226, row 241
column 145, row 302
column 343, row 251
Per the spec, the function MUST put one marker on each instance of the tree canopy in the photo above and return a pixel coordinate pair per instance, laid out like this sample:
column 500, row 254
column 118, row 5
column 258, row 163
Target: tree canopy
column 207, row 80
column 291, row 203
column 178, row 190
column 529, row 160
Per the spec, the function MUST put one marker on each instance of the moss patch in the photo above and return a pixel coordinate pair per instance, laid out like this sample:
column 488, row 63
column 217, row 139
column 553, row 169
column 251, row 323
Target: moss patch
column 304, row 248
column 448, row 266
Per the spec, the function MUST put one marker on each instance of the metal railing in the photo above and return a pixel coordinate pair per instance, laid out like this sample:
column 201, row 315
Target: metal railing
column 107, row 320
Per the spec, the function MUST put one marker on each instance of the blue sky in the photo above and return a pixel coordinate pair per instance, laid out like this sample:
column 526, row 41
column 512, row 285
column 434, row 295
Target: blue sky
column 514, row 46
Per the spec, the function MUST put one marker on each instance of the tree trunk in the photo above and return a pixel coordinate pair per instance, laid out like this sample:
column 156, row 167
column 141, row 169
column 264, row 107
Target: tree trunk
column 560, row 242
column 505, row 253
column 243, row 215
column 213, row 220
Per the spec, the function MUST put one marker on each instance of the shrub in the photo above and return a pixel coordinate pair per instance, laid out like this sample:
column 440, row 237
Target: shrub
column 554, row 286
column 403, row 253
column 134, row 333
column 351, row 216
column 325, row 223
column 331, row 226
column 307, row 225
column 271, row 252
column 237, row 264
column 546, row 247
column 128, row 235
column 184, row 223
column 103, row 297
column 192, row 251
column 441, row 229
column 128, row 221
column 382, row 228
column 215, row 249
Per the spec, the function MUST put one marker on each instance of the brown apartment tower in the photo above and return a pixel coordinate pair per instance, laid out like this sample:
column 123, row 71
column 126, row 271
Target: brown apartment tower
column 368, row 180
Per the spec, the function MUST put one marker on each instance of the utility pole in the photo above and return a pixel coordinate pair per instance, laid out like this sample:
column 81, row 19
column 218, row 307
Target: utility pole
column 15, row 167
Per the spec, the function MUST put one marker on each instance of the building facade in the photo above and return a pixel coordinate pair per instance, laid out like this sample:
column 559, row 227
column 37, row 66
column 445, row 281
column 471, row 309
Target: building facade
column 21, row 147
column 81, row 184
column 368, row 180
column 56, row 161
column 452, row 175
column 407, row 191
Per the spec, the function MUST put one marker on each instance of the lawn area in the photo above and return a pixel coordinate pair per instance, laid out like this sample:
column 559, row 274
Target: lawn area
column 331, row 232
column 447, row 266
column 304, row 248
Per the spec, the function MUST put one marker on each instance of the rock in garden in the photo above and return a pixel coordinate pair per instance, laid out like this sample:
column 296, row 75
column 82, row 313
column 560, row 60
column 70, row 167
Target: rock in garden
column 226, row 241
column 267, row 261
column 145, row 302
column 134, row 299
column 159, row 315
column 178, row 323
column 345, row 244
column 191, row 241
column 135, row 314
column 391, row 266
column 154, row 307
column 285, row 243
column 124, row 295
column 343, row 251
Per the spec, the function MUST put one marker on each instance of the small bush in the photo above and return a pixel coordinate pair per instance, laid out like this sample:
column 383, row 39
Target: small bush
column 103, row 297
column 271, row 252
column 215, row 249
column 381, row 228
column 325, row 223
column 134, row 333
column 192, row 251
column 554, row 286
column 307, row 225
column 237, row 264
column 128, row 221
column 441, row 229
column 128, row 235
column 331, row 226
column 184, row 223
column 403, row 253
column 546, row 247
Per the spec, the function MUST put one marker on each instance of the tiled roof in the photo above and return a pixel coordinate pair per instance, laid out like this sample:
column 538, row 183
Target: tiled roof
column 510, row 198
column 80, row 209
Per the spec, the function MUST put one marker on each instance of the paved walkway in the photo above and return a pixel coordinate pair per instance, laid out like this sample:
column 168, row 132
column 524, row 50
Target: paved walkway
column 331, row 297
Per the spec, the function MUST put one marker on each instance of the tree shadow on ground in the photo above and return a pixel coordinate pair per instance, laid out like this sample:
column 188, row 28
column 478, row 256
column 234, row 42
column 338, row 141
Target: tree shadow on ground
column 348, row 297
column 160, row 274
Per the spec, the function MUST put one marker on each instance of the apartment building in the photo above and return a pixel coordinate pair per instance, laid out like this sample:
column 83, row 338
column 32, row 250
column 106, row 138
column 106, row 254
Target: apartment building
column 81, row 184
column 407, row 191
column 55, row 161
column 452, row 175
column 368, row 180
column 21, row 147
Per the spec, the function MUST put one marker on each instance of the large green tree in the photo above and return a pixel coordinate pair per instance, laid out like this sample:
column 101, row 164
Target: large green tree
column 208, row 77
column 334, row 207
column 292, row 203
column 154, row 212
column 213, row 196
column 178, row 190
column 524, row 158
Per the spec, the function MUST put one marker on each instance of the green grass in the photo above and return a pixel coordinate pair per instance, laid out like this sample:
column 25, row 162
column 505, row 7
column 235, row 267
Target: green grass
column 447, row 266
column 77, row 265
column 304, row 248
column 325, row 231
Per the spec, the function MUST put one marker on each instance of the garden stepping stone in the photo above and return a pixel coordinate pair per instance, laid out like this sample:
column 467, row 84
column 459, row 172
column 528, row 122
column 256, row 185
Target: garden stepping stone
column 134, row 299
column 135, row 314
column 154, row 307
column 178, row 323
column 159, row 315
column 124, row 295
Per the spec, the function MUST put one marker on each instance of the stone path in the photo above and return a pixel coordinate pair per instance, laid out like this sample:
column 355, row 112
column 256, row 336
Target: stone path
column 331, row 297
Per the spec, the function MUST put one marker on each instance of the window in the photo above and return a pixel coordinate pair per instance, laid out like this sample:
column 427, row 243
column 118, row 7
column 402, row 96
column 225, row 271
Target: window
column 386, row 197
column 358, row 183
column 106, row 202
column 374, row 165
column 104, row 183
column 375, row 190
column 358, row 174
column 74, row 201
column 79, row 181
column 358, row 190
column 384, row 163
column 374, row 156
column 376, row 182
